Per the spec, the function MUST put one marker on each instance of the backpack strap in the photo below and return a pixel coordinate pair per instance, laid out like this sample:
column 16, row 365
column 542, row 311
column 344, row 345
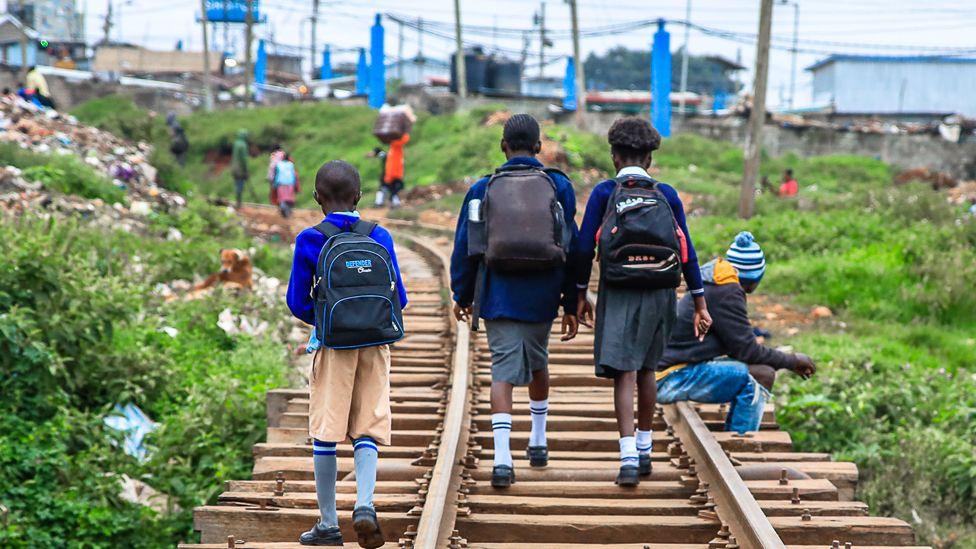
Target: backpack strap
column 364, row 228
column 554, row 171
column 328, row 228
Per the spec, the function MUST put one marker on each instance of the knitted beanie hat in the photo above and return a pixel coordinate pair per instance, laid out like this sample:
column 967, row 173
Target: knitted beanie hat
column 747, row 257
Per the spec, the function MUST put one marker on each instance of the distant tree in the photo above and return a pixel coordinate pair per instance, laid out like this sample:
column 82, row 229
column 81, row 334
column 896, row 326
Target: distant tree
column 625, row 69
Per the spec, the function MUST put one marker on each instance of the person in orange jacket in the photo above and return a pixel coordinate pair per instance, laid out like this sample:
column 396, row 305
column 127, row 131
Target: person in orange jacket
column 392, row 182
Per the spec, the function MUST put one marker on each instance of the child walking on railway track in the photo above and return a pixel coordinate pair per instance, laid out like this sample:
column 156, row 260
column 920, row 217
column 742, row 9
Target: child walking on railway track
column 346, row 282
column 645, row 248
column 509, row 267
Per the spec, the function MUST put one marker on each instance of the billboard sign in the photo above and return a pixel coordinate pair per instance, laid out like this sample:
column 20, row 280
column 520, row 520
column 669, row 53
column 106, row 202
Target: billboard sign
column 231, row 11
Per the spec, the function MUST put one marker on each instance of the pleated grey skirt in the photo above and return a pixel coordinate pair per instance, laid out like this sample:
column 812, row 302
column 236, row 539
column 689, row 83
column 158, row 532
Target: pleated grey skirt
column 632, row 328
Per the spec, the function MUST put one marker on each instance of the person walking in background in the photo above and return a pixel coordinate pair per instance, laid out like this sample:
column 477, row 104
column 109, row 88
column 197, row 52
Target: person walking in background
column 393, row 173
column 178, row 144
column 728, row 364
column 277, row 154
column 491, row 279
column 286, row 185
column 645, row 248
column 789, row 187
column 238, row 165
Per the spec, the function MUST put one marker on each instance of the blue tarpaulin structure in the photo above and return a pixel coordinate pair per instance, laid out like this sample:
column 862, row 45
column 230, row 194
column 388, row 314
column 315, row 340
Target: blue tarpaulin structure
column 661, row 80
column 569, row 86
column 325, row 71
column 377, row 68
column 260, row 70
column 362, row 73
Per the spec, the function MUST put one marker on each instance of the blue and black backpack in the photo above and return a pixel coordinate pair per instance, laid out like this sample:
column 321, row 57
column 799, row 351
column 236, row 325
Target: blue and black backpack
column 355, row 293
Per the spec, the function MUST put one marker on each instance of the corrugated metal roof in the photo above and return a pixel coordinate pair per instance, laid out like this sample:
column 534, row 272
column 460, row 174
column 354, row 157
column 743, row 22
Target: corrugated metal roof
column 890, row 59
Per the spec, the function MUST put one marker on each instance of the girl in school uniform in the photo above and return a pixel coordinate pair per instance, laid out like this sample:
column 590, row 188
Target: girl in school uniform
column 633, row 324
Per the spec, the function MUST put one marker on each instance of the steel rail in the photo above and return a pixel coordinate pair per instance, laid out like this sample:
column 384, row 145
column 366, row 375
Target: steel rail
column 436, row 524
column 735, row 504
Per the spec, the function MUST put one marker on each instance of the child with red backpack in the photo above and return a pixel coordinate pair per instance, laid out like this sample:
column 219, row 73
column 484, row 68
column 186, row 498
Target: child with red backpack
column 645, row 248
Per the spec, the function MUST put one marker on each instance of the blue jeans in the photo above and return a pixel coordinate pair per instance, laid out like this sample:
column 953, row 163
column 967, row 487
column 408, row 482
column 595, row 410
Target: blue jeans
column 716, row 382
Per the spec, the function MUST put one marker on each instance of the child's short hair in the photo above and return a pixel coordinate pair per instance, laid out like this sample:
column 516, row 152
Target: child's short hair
column 633, row 137
column 337, row 182
column 521, row 132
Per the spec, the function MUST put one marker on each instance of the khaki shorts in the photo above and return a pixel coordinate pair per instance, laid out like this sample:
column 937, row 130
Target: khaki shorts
column 349, row 394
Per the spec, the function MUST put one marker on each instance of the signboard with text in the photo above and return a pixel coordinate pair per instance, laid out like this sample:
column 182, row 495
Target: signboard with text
column 231, row 11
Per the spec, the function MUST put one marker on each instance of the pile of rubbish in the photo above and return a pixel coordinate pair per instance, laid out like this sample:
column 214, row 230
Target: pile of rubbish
column 53, row 133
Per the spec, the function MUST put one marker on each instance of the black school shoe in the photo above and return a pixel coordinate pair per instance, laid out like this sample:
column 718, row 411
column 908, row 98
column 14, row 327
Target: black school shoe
column 502, row 476
column 645, row 464
column 538, row 456
column 367, row 527
column 628, row 476
column 321, row 535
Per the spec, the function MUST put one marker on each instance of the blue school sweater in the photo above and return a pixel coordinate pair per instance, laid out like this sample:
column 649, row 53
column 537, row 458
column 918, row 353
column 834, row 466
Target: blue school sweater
column 527, row 297
column 308, row 245
column 596, row 207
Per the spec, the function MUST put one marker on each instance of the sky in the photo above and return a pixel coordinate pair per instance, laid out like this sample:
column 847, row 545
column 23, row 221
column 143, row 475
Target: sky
column 873, row 25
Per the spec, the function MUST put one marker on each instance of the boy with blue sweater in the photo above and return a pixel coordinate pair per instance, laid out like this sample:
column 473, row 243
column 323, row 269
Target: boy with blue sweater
column 349, row 389
column 518, row 308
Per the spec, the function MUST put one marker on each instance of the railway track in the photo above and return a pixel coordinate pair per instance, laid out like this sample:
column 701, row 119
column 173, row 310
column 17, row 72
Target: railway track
column 433, row 485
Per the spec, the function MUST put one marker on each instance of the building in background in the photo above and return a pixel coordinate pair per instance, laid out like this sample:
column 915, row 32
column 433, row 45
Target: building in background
column 420, row 71
column 898, row 87
column 59, row 28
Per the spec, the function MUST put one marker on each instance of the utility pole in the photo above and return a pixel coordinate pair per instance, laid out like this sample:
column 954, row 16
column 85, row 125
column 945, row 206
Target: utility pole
column 315, row 20
column 793, row 50
column 400, row 51
column 578, row 61
column 248, row 36
column 420, row 37
column 747, row 194
column 460, row 73
column 207, row 87
column 107, row 24
column 541, row 20
column 684, row 59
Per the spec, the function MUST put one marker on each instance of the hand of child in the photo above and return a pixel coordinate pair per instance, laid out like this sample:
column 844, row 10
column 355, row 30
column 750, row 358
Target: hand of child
column 584, row 310
column 569, row 328
column 462, row 314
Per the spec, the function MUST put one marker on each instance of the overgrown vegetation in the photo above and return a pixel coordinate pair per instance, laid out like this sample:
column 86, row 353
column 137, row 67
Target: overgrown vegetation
column 62, row 173
column 896, row 389
column 81, row 330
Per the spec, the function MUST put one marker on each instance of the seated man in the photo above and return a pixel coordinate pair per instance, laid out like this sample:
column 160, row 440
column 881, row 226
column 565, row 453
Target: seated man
column 725, row 365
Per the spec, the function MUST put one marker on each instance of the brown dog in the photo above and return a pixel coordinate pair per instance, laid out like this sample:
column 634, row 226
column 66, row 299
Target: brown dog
column 235, row 272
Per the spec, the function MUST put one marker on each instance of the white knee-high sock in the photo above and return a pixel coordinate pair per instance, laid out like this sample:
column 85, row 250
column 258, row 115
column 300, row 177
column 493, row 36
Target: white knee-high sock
column 628, row 451
column 501, row 429
column 644, row 442
column 539, row 410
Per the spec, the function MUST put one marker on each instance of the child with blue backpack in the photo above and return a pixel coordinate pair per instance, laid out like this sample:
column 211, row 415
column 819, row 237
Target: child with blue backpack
column 345, row 281
column 286, row 184
column 645, row 249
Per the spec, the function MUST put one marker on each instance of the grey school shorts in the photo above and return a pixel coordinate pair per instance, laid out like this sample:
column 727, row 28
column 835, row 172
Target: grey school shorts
column 517, row 349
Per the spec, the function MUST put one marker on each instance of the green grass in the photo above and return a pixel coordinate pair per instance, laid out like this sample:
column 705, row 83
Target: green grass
column 81, row 329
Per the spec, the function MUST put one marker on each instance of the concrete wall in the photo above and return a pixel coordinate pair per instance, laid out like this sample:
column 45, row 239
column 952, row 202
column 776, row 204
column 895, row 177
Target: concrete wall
column 903, row 151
